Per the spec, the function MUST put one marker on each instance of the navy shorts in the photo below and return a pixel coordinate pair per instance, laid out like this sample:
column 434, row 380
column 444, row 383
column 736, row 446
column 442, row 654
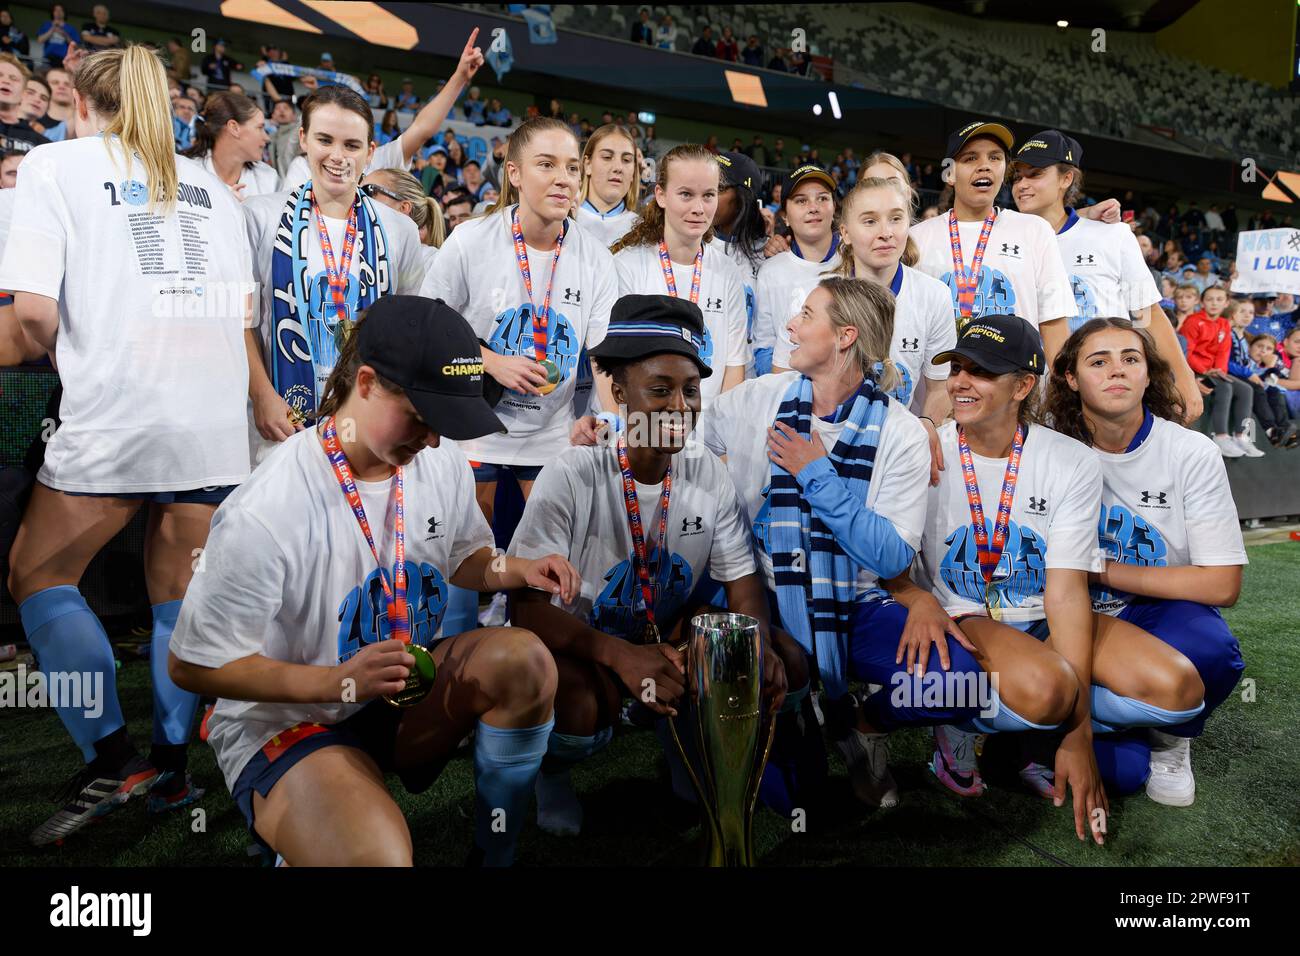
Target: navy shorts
column 196, row 496
column 372, row 729
column 1035, row 629
column 486, row 473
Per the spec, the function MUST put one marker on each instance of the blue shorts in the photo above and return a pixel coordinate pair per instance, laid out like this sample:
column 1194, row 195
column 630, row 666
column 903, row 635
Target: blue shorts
column 197, row 496
column 486, row 473
column 372, row 729
column 1035, row 629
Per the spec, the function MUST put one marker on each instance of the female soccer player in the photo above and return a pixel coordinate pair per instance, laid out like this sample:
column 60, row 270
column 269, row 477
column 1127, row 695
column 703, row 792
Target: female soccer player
column 1107, row 273
column 784, row 281
column 1168, row 522
column 228, row 143
column 536, row 291
column 398, row 189
column 130, row 267
column 668, row 251
column 300, row 622
column 611, row 187
column 644, row 524
column 873, row 228
column 836, row 514
column 1024, row 568
column 322, row 253
column 1023, row 273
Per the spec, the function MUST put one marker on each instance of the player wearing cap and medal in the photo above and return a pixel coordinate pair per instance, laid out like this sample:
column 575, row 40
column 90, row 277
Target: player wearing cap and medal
column 645, row 519
column 995, row 261
column 324, row 588
column 1107, row 272
column 740, row 228
column 999, row 574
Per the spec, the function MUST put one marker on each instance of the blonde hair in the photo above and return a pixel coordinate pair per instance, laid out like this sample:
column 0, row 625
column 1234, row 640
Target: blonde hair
column 425, row 210
column 516, row 142
column 130, row 86
column 633, row 195
column 867, row 308
column 649, row 226
column 22, row 67
column 847, row 265
column 911, row 254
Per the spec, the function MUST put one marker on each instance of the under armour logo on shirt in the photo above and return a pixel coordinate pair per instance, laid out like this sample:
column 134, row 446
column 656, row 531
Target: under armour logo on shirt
column 1010, row 249
column 911, row 345
column 692, row 526
column 1037, row 505
column 571, row 295
column 713, row 305
column 1159, row 497
column 433, row 528
column 1080, row 259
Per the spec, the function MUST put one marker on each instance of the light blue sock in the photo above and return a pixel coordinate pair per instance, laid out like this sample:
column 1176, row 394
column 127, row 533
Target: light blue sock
column 1111, row 713
column 1004, row 720
column 506, row 762
column 68, row 638
column 462, row 611
column 173, row 708
column 558, row 810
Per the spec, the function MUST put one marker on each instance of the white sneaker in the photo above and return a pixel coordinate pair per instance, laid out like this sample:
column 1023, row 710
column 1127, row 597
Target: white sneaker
column 1171, row 781
column 867, row 757
column 494, row 615
column 1227, row 447
column 1247, row 447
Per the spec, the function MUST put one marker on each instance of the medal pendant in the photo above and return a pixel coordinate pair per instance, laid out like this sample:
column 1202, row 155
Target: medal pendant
column 552, row 376
column 419, row 682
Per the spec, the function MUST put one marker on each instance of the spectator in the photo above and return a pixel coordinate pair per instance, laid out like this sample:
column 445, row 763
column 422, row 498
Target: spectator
column 1186, row 301
column 705, row 46
column 650, row 145
column 1263, row 352
column 531, row 112
column 1213, row 221
column 1230, row 218
column 180, row 60
column 1194, row 217
column 497, row 114
column 799, row 63
column 752, row 54
column 455, row 158
column 9, row 163
column 388, row 129
column 12, row 40
column 1204, row 276
column 99, row 34
column 727, row 47
column 711, row 144
column 757, row 151
column 275, row 87
column 1268, row 402
column 575, row 124
column 218, row 67
column 775, row 205
column 1276, row 318
column 57, row 35
column 556, row 110
column 474, row 107
column 16, row 134
column 406, row 96
column 471, row 177
column 495, row 162
column 1209, row 343
column 458, row 205
column 284, row 145
column 375, row 94
column 634, row 127
column 778, row 63
column 327, row 62
column 1288, row 370
column 183, row 113
column 666, row 34
column 1149, row 255
column 777, row 156
column 1167, row 288
column 36, row 101
column 433, row 175
column 643, row 30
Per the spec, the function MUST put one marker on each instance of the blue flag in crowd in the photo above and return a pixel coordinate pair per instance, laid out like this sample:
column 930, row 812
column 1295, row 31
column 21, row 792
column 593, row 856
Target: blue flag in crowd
column 500, row 55
column 540, row 27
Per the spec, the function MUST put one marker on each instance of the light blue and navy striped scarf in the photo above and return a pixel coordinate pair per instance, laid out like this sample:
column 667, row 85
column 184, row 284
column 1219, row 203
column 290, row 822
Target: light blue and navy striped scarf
column 815, row 578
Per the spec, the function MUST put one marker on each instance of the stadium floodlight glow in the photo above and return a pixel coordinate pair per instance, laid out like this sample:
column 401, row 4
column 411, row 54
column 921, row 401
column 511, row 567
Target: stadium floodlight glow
column 646, row 117
column 817, row 109
column 1065, row 23
column 835, row 105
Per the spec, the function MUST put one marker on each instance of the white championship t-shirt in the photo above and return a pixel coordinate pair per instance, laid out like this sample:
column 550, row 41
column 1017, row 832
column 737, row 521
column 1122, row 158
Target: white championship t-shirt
column 577, row 509
column 151, row 319
column 404, row 275
column 608, row 228
column 388, row 156
column 287, row 574
column 923, row 327
column 1021, row 273
column 749, row 269
column 722, row 300
column 1052, row 524
column 1108, row 276
column 784, row 282
column 1167, row 503
column 477, row 274
column 258, row 179
column 737, row 427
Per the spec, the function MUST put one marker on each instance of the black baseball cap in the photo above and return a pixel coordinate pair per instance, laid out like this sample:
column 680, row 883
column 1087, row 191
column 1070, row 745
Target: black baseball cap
column 739, row 170
column 979, row 128
column 802, row 175
column 999, row 344
column 645, row 325
column 426, row 347
column 1048, row 148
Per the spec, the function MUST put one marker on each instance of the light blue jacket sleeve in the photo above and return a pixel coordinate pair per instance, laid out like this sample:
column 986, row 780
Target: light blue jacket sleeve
column 868, row 538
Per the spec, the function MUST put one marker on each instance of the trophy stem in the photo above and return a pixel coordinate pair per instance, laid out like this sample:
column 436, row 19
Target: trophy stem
column 709, row 824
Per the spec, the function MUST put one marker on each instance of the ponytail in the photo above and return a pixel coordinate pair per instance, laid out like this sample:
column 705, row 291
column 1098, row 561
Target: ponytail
column 129, row 88
column 515, row 145
column 425, row 211
column 218, row 110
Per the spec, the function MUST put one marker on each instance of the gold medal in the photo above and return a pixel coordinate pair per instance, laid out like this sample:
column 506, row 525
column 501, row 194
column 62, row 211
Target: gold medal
column 992, row 602
column 650, row 635
column 419, row 682
column 295, row 417
column 552, row 376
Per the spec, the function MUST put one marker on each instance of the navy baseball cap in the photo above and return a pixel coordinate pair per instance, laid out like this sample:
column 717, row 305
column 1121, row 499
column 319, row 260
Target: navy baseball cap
column 428, row 349
column 1048, row 148
column 999, row 344
column 979, row 128
column 739, row 170
column 645, row 325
